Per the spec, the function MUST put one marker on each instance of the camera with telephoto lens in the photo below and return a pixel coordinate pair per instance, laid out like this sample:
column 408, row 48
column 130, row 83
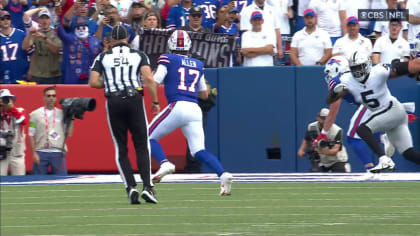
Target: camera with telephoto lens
column 6, row 143
column 310, row 151
column 76, row 107
column 112, row 21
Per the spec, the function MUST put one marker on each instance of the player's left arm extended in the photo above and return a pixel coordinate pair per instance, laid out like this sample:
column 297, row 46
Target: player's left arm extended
column 399, row 68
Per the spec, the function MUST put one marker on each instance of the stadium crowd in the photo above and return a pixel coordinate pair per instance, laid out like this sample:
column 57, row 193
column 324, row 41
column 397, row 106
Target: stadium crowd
column 56, row 41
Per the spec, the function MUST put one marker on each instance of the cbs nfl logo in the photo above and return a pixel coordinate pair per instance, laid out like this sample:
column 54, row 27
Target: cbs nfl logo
column 382, row 14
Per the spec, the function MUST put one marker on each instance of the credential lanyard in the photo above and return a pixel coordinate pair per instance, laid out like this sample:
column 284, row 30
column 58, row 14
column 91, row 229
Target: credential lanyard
column 46, row 124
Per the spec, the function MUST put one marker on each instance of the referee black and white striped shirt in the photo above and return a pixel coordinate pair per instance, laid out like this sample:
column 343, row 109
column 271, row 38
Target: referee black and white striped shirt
column 120, row 67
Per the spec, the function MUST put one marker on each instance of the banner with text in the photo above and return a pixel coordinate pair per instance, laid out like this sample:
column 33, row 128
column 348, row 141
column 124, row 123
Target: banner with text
column 214, row 49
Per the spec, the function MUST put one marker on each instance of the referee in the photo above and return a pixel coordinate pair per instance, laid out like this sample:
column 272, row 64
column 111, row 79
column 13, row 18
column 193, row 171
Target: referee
column 117, row 70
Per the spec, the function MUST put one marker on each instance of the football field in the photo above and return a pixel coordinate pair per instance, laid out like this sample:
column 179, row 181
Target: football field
column 254, row 208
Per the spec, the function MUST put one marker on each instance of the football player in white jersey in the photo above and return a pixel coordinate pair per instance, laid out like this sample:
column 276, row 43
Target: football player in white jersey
column 368, row 86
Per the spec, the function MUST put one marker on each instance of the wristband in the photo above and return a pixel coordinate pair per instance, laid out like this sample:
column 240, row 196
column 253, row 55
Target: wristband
column 324, row 132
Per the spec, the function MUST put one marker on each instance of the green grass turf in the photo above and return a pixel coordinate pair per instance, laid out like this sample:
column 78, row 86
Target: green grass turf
column 331, row 209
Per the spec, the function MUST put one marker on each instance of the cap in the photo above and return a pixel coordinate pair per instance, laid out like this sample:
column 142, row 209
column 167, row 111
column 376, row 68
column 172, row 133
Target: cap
column 119, row 32
column 309, row 12
column 137, row 4
column 352, row 20
column 324, row 112
column 196, row 10
column 44, row 12
column 6, row 93
column 256, row 15
column 82, row 21
column 233, row 10
column 4, row 13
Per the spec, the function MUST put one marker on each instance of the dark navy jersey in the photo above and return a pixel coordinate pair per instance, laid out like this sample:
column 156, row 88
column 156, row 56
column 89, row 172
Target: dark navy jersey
column 14, row 60
column 182, row 78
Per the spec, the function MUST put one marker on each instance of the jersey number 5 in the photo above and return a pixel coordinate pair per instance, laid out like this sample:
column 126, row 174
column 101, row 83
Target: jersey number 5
column 371, row 102
column 191, row 72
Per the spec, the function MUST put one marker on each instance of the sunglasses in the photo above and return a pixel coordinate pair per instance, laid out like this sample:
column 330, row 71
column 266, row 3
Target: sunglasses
column 51, row 95
column 5, row 18
column 196, row 15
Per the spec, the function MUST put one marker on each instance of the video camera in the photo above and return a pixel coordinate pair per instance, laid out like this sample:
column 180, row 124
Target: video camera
column 6, row 143
column 76, row 107
column 310, row 136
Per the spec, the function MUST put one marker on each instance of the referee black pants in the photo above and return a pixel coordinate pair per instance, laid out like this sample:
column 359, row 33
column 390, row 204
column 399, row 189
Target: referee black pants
column 127, row 114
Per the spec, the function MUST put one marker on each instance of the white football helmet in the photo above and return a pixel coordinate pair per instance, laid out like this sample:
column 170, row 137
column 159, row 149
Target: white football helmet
column 360, row 65
column 179, row 41
column 335, row 66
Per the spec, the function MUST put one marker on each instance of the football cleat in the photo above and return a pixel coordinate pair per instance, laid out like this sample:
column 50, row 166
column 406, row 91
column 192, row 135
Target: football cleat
column 149, row 195
column 385, row 163
column 165, row 169
column 133, row 196
column 226, row 180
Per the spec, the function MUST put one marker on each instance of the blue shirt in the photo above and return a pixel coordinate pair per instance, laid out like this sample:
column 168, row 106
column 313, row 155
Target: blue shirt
column 16, row 13
column 177, row 17
column 210, row 8
column 233, row 29
column 14, row 60
column 181, row 81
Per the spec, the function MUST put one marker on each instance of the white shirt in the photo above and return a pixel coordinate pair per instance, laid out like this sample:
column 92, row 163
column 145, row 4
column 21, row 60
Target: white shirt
column 346, row 47
column 123, row 6
column 376, row 93
column 383, row 27
column 311, row 47
column 413, row 7
column 302, row 6
column 379, row 4
column 270, row 22
column 328, row 15
column 282, row 7
column 251, row 39
column 390, row 51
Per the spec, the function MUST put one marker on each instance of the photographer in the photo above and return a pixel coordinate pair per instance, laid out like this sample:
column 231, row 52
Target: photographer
column 12, row 135
column 47, row 136
column 329, row 155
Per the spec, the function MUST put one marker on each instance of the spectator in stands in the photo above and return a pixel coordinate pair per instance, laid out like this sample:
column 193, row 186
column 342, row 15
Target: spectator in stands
column 388, row 48
column 332, row 153
column 47, row 136
column 352, row 41
column 413, row 7
column 45, row 61
column 258, row 45
column 382, row 27
column 16, row 8
column 331, row 17
column 195, row 19
column 79, row 51
column 178, row 15
column 152, row 20
column 302, row 6
column 111, row 19
column 210, row 9
column 81, row 9
column 225, row 21
column 14, row 60
column 311, row 45
column 12, row 120
column 123, row 7
column 164, row 12
column 135, row 16
column 270, row 22
column 27, row 18
column 99, row 13
column 352, row 7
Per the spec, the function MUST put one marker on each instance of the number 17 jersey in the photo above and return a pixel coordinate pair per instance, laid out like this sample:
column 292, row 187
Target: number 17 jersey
column 184, row 77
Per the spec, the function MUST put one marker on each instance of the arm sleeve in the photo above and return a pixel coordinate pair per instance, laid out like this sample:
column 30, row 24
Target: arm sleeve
column 144, row 59
column 202, row 84
column 378, row 46
column 97, row 65
column 327, row 40
column 160, row 73
column 294, row 43
column 171, row 21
